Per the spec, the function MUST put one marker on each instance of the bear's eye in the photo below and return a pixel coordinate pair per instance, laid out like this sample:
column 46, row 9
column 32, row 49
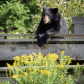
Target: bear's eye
column 49, row 14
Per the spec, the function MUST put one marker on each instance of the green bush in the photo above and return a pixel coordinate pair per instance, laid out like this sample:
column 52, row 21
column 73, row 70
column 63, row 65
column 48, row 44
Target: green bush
column 16, row 16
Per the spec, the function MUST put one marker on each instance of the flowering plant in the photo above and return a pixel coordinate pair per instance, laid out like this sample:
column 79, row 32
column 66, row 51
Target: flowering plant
column 40, row 69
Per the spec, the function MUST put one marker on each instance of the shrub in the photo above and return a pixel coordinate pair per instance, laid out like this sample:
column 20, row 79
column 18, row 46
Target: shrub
column 40, row 69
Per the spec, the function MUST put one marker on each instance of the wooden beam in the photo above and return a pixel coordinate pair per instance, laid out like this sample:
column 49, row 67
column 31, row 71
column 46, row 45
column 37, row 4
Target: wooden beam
column 34, row 40
column 8, row 51
column 33, row 35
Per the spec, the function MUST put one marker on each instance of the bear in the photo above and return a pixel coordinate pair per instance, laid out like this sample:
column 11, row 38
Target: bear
column 51, row 23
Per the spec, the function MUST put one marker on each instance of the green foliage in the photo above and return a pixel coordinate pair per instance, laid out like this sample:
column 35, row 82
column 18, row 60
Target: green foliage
column 23, row 16
column 16, row 16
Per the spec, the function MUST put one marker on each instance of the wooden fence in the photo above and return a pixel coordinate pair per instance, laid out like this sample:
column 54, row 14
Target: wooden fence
column 73, row 46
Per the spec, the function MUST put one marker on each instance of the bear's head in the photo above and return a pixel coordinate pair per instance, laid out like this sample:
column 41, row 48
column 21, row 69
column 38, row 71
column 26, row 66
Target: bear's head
column 49, row 15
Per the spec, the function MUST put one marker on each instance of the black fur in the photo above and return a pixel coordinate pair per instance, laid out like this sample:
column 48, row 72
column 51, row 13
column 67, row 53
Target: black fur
column 56, row 25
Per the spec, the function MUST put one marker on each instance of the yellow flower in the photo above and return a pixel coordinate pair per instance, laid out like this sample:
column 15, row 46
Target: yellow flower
column 14, row 64
column 46, row 64
column 40, row 56
column 60, row 66
column 26, row 62
column 34, row 69
column 15, row 76
column 30, row 69
column 52, row 57
column 55, row 70
column 47, row 72
column 24, row 56
column 17, row 58
column 11, row 67
column 32, row 80
column 71, row 58
column 32, row 72
column 25, row 73
column 65, row 56
column 30, row 57
column 41, row 71
column 62, row 53
column 21, row 76
column 30, row 76
column 36, row 62
column 34, row 54
column 77, row 63
column 69, row 61
column 22, row 61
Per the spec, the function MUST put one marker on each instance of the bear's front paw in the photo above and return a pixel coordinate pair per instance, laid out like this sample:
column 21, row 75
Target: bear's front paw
column 41, row 35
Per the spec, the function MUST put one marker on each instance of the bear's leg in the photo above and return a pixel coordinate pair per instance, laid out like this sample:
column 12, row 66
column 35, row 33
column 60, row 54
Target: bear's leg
column 47, row 38
column 40, row 42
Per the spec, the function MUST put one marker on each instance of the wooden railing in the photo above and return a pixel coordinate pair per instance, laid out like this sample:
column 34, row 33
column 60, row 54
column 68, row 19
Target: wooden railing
column 73, row 45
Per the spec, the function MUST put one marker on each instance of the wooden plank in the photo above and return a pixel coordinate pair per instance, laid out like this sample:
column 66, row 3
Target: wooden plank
column 18, row 35
column 8, row 51
column 17, row 40
column 78, row 28
column 3, row 79
column 76, row 20
column 1, row 37
column 34, row 40
column 33, row 35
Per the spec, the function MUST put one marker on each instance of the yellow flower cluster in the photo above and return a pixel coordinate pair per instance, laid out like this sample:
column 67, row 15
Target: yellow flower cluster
column 17, row 58
column 60, row 66
column 38, row 65
column 46, row 72
column 10, row 66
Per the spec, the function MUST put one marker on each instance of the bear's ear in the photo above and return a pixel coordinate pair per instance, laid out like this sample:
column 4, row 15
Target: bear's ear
column 55, row 10
column 44, row 8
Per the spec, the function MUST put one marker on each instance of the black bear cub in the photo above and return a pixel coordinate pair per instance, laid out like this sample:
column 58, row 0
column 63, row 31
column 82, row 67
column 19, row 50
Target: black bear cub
column 51, row 23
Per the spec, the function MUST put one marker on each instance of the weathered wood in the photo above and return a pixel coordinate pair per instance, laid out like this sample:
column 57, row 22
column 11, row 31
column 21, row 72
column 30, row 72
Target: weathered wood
column 34, row 40
column 78, row 25
column 78, row 28
column 8, row 51
column 33, row 35
column 1, row 37
column 18, row 35
column 3, row 79
column 77, row 20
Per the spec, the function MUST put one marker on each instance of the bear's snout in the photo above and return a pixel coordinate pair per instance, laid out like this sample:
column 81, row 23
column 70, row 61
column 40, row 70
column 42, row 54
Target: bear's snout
column 46, row 19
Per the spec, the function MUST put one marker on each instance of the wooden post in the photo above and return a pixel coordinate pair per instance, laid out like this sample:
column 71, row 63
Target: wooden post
column 78, row 25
